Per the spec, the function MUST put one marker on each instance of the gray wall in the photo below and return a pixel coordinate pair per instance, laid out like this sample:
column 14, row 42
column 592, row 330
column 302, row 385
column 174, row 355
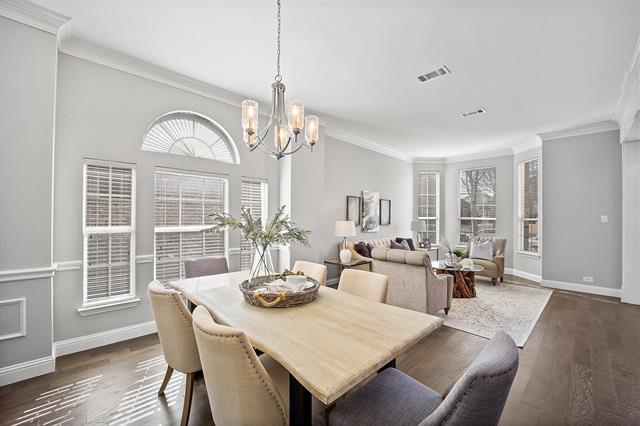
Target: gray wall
column 504, row 199
column 102, row 114
column 527, row 263
column 27, row 87
column 581, row 182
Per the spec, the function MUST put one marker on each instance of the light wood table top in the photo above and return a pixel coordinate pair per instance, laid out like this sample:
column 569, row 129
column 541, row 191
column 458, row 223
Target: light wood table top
column 328, row 345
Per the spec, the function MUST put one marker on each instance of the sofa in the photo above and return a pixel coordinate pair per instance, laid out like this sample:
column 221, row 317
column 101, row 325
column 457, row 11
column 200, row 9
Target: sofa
column 493, row 269
column 412, row 282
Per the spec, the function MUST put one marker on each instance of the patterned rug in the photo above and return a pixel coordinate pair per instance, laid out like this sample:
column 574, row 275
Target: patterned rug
column 512, row 308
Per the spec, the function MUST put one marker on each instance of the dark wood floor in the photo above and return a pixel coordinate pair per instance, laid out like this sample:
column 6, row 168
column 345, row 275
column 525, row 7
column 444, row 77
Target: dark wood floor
column 581, row 365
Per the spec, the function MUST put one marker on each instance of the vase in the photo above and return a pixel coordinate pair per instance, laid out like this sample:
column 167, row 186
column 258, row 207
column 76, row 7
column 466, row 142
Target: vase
column 261, row 264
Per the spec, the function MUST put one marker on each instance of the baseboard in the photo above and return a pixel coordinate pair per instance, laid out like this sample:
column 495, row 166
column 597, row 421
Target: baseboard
column 523, row 274
column 582, row 288
column 27, row 370
column 78, row 344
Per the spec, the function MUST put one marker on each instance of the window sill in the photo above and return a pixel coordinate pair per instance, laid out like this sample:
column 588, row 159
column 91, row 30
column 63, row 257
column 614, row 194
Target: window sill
column 528, row 254
column 108, row 306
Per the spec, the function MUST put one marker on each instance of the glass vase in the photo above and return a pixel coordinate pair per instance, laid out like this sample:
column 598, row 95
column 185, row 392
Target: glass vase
column 261, row 264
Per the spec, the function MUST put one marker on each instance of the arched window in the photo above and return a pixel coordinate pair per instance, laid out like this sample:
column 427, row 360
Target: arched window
column 191, row 134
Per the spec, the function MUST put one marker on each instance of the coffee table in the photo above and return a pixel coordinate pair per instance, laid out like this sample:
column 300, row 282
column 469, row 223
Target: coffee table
column 464, row 278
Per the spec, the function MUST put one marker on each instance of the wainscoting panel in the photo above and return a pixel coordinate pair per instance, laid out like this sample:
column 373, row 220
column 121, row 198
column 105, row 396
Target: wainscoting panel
column 13, row 318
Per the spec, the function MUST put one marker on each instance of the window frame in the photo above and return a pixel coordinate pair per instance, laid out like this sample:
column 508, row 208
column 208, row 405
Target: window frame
column 459, row 191
column 264, row 211
column 87, row 231
column 189, row 228
column 520, row 219
column 435, row 243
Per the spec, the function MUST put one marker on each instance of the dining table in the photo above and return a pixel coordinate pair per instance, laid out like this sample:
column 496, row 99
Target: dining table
column 328, row 346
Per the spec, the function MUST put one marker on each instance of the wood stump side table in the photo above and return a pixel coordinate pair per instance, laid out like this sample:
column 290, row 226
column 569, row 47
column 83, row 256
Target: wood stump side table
column 464, row 278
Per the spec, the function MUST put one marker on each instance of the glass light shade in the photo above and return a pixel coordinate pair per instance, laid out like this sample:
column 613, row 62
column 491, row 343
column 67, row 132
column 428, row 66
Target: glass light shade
column 249, row 139
column 296, row 115
column 280, row 136
column 250, row 116
column 311, row 129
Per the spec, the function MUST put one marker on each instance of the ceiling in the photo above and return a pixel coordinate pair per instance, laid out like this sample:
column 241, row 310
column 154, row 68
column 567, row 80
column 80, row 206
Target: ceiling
column 535, row 66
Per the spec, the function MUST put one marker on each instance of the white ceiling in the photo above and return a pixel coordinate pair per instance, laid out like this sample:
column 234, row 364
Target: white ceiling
column 535, row 66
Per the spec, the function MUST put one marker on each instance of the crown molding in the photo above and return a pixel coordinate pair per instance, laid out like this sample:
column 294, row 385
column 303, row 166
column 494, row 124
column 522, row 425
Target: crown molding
column 586, row 129
column 429, row 160
column 526, row 146
column 34, row 15
column 367, row 144
column 628, row 108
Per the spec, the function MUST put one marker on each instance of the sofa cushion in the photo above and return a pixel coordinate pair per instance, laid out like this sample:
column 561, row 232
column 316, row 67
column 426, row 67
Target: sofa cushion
column 481, row 249
column 409, row 241
column 400, row 246
column 416, row 258
column 379, row 253
column 490, row 268
column 362, row 249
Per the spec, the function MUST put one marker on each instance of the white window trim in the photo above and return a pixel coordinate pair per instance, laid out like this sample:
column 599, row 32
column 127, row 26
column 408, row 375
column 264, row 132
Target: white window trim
column 461, row 218
column 435, row 243
column 520, row 219
column 115, row 302
column 189, row 228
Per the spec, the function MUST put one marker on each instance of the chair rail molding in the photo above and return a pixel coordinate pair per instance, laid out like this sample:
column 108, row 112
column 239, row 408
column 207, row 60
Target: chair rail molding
column 11, row 275
column 34, row 15
column 585, row 129
column 628, row 109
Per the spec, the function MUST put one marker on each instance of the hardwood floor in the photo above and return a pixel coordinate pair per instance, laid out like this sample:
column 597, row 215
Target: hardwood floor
column 581, row 365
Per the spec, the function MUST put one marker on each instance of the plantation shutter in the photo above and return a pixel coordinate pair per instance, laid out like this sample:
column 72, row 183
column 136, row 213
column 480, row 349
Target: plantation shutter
column 528, row 194
column 428, row 203
column 183, row 205
column 252, row 198
column 109, row 216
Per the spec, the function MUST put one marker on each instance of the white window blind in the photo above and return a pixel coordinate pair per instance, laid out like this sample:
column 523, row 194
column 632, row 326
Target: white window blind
column 429, row 204
column 528, row 239
column 108, row 232
column 254, row 197
column 183, row 205
column 477, row 203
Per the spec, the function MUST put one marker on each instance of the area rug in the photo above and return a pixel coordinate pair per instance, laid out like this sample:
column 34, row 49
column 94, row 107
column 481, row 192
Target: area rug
column 512, row 308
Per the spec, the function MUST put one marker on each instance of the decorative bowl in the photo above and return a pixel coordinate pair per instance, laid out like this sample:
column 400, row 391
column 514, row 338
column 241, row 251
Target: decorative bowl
column 264, row 293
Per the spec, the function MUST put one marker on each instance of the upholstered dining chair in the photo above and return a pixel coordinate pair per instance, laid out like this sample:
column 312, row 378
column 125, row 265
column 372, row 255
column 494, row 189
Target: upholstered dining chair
column 477, row 398
column 312, row 270
column 178, row 342
column 369, row 285
column 206, row 266
column 240, row 389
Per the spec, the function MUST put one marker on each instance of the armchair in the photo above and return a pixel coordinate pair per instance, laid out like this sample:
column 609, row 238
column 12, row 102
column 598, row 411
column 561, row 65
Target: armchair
column 493, row 269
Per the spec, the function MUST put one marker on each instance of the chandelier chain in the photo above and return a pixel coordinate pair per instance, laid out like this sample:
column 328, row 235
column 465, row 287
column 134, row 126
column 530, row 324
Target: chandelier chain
column 278, row 76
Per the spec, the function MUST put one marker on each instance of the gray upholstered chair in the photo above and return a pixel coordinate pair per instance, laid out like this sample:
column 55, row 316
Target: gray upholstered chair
column 173, row 321
column 365, row 284
column 312, row 270
column 494, row 268
column 206, row 266
column 477, row 398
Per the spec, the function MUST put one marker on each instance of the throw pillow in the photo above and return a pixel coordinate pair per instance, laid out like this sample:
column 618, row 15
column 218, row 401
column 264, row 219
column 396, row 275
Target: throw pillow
column 400, row 246
column 481, row 250
column 409, row 241
column 362, row 249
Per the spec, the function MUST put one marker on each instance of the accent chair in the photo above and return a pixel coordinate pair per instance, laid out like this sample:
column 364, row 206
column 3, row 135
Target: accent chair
column 494, row 268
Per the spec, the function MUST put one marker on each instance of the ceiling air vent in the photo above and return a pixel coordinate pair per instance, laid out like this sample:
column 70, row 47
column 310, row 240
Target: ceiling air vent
column 435, row 73
column 473, row 112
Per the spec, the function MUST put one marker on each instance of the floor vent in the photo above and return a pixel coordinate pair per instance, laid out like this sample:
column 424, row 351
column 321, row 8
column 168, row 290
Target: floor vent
column 440, row 71
column 473, row 112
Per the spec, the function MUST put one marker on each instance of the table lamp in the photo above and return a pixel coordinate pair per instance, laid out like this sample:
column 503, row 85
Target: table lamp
column 418, row 226
column 345, row 228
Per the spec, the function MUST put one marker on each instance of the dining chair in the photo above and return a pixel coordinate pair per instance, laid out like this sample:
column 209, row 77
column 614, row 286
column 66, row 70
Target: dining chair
column 477, row 398
column 205, row 266
column 173, row 321
column 240, row 389
column 369, row 285
column 312, row 270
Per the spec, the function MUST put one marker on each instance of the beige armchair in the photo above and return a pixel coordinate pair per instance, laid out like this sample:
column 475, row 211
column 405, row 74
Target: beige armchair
column 312, row 270
column 493, row 269
column 365, row 284
column 173, row 321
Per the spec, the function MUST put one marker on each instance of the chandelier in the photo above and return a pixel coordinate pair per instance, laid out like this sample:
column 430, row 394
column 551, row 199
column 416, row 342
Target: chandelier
column 287, row 123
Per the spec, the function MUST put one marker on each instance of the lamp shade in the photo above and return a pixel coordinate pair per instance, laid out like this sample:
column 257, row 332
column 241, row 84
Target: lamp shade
column 418, row 226
column 345, row 228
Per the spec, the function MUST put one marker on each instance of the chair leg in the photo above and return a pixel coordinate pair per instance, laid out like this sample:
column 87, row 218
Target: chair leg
column 494, row 281
column 188, row 393
column 446, row 311
column 165, row 382
column 501, row 279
